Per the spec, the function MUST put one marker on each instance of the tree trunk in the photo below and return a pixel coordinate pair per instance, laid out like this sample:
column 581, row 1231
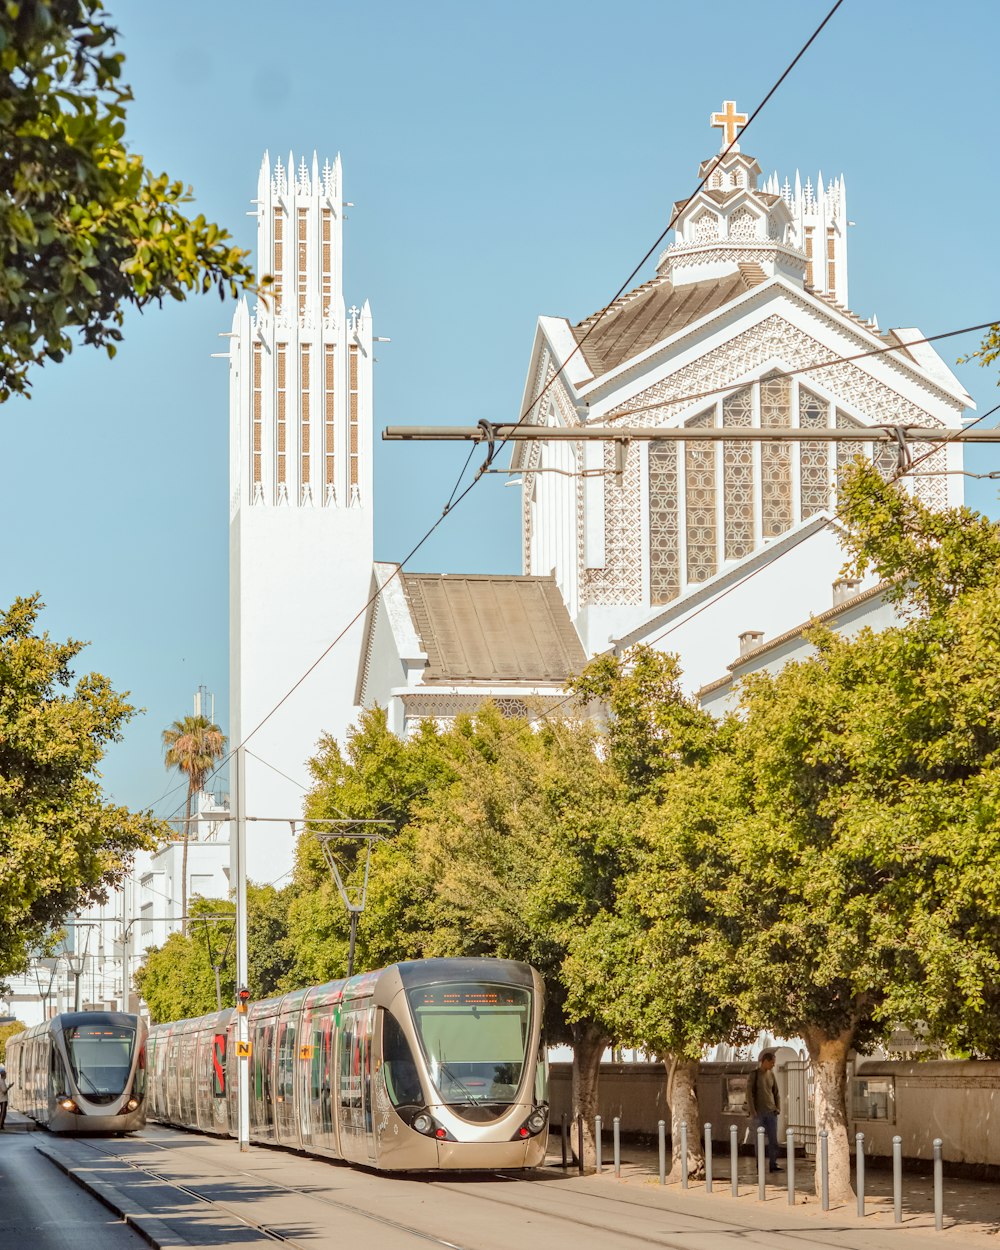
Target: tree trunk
column 184, row 866
column 828, row 1056
column 682, row 1096
column 589, row 1045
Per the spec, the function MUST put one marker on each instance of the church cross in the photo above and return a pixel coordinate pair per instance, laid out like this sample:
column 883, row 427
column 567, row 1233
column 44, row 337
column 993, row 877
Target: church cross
column 729, row 121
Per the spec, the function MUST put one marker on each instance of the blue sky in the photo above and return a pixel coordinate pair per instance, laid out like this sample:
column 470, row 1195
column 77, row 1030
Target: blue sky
column 505, row 160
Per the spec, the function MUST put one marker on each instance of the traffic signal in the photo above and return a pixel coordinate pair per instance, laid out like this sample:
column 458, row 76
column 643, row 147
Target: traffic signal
column 242, row 998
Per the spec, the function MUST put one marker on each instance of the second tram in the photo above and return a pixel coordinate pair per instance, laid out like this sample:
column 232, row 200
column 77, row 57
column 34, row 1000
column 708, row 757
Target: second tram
column 430, row 1064
column 81, row 1072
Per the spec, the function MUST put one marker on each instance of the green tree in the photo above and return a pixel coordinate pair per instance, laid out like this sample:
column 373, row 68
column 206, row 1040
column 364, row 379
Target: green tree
column 62, row 844
column 85, row 228
column 193, row 746
column 177, row 980
column 7, row 1031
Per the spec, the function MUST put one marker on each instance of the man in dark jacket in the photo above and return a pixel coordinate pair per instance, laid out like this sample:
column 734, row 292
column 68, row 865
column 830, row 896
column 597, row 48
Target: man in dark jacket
column 764, row 1104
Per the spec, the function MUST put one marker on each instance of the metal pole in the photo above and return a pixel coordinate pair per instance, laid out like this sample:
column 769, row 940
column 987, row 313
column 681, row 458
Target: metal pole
column 684, row 1155
column 761, row 1180
column 350, row 950
column 938, row 1185
column 76, row 990
column 242, row 1018
column 662, row 1134
column 824, row 1169
column 218, row 988
column 597, row 1143
column 579, row 1143
column 618, row 1145
column 790, row 1163
column 708, row 1158
column 565, row 1142
column 897, row 1180
column 734, row 1162
column 859, row 1154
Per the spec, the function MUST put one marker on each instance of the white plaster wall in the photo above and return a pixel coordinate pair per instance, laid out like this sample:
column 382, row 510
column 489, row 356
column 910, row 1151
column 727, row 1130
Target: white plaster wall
column 298, row 576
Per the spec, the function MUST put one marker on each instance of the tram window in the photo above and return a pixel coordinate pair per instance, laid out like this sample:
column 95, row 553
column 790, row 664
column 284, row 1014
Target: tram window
column 350, row 1071
column 100, row 1056
column 475, row 1038
column 401, row 1078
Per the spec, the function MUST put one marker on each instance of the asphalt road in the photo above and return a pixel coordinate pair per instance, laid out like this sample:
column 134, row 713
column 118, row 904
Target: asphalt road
column 41, row 1209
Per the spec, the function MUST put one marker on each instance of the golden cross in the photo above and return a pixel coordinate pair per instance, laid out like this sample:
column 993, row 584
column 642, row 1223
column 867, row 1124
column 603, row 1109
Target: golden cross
column 729, row 120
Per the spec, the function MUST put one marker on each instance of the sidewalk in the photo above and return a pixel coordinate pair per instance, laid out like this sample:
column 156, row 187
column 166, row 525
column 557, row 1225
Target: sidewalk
column 971, row 1208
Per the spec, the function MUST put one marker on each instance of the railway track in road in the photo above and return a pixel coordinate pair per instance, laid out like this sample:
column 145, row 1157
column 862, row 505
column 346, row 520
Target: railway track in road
column 595, row 1217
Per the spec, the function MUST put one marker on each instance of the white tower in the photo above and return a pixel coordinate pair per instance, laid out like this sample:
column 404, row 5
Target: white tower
column 300, row 560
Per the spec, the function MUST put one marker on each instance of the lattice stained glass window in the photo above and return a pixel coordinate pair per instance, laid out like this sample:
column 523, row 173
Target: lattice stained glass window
column 847, row 452
column 664, row 530
column 700, row 487
column 814, row 458
column 775, row 458
column 737, row 468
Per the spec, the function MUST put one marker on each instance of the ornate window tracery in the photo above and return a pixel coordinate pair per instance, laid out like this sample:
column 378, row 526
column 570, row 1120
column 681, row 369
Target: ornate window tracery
column 700, row 487
column 664, row 529
column 706, row 226
column 814, row 458
column 743, row 225
column 775, row 458
column 737, row 468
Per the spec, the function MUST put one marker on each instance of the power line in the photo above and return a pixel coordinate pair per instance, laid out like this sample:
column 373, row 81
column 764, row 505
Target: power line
column 454, row 501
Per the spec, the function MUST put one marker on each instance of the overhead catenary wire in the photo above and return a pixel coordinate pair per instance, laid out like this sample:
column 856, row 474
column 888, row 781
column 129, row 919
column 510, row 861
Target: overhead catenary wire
column 453, row 499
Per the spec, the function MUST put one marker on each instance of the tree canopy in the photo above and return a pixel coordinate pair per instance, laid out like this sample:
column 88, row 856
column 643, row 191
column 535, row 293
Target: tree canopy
column 85, row 228
column 62, row 844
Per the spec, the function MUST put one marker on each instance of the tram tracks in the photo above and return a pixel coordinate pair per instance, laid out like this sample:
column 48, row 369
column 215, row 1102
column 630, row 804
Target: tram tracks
column 592, row 1221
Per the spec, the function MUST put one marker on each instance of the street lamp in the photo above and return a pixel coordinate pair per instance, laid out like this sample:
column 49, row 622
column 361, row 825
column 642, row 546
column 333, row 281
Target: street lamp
column 39, row 966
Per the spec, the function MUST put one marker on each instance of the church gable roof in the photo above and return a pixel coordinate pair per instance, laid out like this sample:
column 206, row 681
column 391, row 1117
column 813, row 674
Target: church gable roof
column 654, row 312
column 490, row 628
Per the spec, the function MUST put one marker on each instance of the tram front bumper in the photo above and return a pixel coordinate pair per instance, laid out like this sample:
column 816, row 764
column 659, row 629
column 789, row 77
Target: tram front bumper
column 486, row 1156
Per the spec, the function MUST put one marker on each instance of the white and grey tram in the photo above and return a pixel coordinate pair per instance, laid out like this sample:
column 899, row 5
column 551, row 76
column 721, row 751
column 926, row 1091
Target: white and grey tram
column 435, row 1063
column 81, row 1072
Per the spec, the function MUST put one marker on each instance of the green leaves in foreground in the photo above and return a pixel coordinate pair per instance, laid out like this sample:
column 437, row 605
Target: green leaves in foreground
column 85, row 228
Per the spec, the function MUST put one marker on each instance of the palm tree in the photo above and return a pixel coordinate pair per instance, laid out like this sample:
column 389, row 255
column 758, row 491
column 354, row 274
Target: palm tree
column 193, row 746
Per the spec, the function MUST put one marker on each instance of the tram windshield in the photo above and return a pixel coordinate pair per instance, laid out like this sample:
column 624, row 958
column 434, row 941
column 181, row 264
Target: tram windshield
column 100, row 1055
column 475, row 1038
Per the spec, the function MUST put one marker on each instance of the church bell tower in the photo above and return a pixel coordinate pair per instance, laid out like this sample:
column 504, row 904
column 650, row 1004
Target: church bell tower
column 300, row 384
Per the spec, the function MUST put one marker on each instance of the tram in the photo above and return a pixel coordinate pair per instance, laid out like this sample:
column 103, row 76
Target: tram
column 425, row 1065
column 81, row 1072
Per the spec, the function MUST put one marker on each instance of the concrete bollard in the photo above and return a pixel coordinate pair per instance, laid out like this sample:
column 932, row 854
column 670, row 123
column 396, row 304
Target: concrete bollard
column 761, row 1179
column 662, row 1134
column 824, row 1169
column 708, row 1158
column 618, row 1145
column 684, row 1155
column 938, row 1185
column 897, row 1180
column 790, row 1163
column 598, row 1160
column 734, row 1162
column 859, row 1172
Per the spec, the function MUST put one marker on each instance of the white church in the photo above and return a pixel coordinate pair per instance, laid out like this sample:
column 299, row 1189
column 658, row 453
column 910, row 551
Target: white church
column 721, row 551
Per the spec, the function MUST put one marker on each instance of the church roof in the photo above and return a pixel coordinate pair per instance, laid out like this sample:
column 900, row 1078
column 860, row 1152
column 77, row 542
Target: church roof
column 488, row 628
column 652, row 312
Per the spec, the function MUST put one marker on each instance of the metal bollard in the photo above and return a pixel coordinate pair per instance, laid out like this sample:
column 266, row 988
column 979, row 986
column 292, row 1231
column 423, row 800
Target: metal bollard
column 790, row 1163
column 708, row 1158
column 618, row 1145
column 761, row 1181
column 897, row 1180
column 734, row 1162
column 684, row 1155
column 824, row 1169
column 662, row 1134
column 579, row 1144
column 938, row 1185
column 597, row 1143
column 565, row 1142
column 859, row 1180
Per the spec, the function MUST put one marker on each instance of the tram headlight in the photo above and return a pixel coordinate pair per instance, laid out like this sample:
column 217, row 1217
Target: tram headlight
column 533, row 1125
column 68, row 1104
column 132, row 1103
column 423, row 1123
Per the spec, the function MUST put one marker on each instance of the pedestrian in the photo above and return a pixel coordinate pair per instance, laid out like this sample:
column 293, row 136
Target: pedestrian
column 764, row 1104
column 4, row 1087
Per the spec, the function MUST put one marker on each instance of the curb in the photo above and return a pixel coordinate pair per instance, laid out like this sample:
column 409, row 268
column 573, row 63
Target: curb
column 149, row 1227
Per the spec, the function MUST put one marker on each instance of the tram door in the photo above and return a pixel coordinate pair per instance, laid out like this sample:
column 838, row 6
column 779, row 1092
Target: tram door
column 303, row 1070
column 357, row 1140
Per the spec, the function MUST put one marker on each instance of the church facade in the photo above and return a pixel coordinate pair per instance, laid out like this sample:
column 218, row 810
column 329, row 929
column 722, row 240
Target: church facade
column 719, row 550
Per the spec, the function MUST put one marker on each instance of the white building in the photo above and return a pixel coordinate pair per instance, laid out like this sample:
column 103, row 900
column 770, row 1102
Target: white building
column 300, row 368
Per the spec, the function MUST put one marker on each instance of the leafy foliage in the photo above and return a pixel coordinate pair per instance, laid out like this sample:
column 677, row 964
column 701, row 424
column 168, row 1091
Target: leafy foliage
column 62, row 845
column 7, row 1031
column 85, row 228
